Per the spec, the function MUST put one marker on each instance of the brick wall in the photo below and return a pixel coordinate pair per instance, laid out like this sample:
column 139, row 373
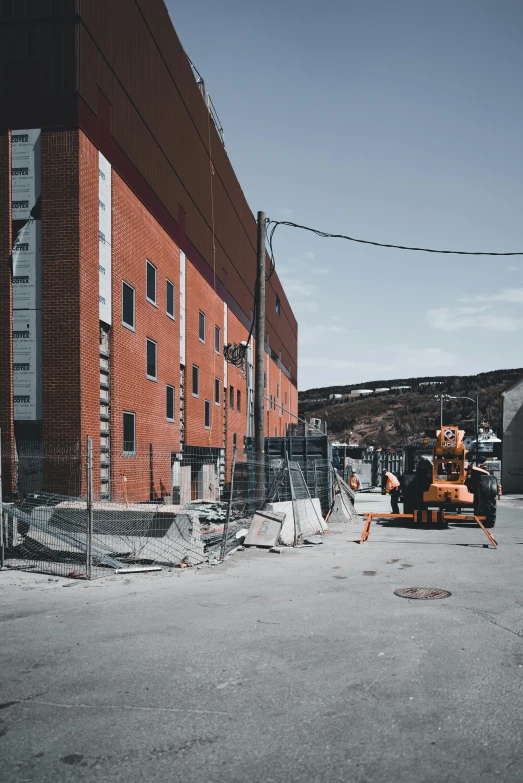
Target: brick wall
column 136, row 238
column 61, row 355
column 237, row 379
column 201, row 297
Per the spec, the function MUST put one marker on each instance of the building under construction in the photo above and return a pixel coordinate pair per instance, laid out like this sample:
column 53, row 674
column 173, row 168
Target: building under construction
column 132, row 247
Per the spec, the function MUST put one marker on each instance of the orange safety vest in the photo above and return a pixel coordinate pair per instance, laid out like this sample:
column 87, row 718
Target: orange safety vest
column 354, row 482
column 392, row 482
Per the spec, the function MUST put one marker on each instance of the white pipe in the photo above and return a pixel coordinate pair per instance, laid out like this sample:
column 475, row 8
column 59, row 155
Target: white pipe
column 137, row 570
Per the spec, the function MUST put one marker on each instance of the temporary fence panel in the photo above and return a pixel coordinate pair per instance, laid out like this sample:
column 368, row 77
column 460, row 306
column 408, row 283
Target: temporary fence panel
column 160, row 507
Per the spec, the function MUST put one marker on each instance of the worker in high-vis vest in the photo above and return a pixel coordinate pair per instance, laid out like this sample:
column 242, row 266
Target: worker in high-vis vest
column 354, row 481
column 390, row 485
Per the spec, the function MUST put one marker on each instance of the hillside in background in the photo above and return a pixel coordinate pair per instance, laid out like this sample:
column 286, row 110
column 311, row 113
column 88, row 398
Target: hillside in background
column 397, row 417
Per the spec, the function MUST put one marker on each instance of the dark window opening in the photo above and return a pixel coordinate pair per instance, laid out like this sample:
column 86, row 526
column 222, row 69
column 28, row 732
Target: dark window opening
column 151, row 282
column 195, row 380
column 217, row 340
column 169, row 307
column 278, row 305
column 231, row 397
column 151, row 359
column 201, row 326
column 238, row 401
column 128, row 305
column 207, row 415
column 129, row 433
column 169, row 408
column 217, row 393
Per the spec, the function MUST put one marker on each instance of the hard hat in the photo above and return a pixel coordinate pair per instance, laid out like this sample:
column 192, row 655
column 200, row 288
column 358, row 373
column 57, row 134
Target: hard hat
column 353, row 471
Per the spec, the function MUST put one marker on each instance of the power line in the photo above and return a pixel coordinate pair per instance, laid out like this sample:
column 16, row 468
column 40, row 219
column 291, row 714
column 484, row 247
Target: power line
column 325, row 234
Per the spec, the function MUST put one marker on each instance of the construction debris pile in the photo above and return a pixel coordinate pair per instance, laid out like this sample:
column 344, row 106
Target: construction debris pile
column 59, row 534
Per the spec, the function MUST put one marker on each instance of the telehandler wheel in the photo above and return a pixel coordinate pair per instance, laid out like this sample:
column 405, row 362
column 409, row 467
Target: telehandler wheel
column 411, row 493
column 485, row 502
column 488, row 510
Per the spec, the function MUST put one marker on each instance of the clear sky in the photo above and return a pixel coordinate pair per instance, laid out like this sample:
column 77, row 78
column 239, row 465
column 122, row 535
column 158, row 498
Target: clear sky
column 399, row 122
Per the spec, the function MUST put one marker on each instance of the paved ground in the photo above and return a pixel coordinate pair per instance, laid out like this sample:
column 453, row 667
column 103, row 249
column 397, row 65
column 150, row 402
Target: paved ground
column 302, row 666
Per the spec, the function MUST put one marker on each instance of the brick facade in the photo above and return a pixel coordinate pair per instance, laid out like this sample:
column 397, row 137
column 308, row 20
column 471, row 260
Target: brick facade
column 173, row 190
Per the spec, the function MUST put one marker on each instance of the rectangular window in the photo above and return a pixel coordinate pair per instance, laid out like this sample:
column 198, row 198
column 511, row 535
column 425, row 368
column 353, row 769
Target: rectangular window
column 127, row 305
column 169, row 299
column 169, row 403
column 286, row 398
column 234, row 439
column 195, row 381
column 231, row 397
column 264, row 380
column 278, row 304
column 151, row 283
column 129, row 434
column 217, row 340
column 207, row 415
column 238, row 401
column 217, row 392
column 278, row 391
column 151, row 360
column 201, row 326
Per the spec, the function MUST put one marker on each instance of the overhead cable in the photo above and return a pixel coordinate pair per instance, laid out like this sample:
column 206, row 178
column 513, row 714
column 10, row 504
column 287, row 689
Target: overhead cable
column 325, row 234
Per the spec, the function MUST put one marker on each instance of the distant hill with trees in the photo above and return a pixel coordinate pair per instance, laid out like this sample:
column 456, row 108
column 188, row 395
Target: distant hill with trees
column 396, row 417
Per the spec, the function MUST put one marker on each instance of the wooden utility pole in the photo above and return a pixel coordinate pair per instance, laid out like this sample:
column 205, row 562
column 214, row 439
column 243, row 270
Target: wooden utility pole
column 259, row 390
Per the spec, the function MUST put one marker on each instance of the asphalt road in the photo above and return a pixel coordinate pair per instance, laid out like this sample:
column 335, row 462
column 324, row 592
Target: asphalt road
column 302, row 666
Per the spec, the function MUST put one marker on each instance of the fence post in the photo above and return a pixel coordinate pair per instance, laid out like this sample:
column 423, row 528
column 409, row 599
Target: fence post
column 293, row 498
column 2, row 551
column 89, row 531
column 229, row 508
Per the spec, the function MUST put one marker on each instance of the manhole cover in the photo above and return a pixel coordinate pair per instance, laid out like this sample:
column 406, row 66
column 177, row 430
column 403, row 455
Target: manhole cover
column 422, row 593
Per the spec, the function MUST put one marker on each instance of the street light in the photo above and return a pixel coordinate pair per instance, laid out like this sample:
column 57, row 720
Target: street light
column 471, row 399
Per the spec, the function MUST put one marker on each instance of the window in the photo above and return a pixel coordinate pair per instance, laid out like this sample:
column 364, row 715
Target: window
column 207, row 415
column 278, row 304
column 217, row 340
column 201, row 326
column 264, row 380
column 169, row 403
column 234, row 439
column 129, row 434
column 231, row 397
column 286, row 398
column 238, row 401
column 195, row 381
column 151, row 360
column 278, row 391
column 169, row 299
column 127, row 305
column 217, row 393
column 151, row 283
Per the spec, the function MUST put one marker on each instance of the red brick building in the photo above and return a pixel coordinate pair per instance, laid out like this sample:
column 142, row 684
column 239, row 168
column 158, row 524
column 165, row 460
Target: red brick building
column 132, row 250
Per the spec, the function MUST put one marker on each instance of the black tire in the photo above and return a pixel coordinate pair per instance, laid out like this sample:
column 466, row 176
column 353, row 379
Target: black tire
column 411, row 493
column 488, row 510
column 485, row 502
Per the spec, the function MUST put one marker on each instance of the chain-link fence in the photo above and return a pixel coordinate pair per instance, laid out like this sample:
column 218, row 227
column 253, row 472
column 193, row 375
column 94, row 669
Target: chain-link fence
column 82, row 510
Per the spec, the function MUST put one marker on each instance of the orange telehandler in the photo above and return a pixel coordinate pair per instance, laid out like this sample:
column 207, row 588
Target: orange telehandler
column 448, row 484
column 441, row 490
